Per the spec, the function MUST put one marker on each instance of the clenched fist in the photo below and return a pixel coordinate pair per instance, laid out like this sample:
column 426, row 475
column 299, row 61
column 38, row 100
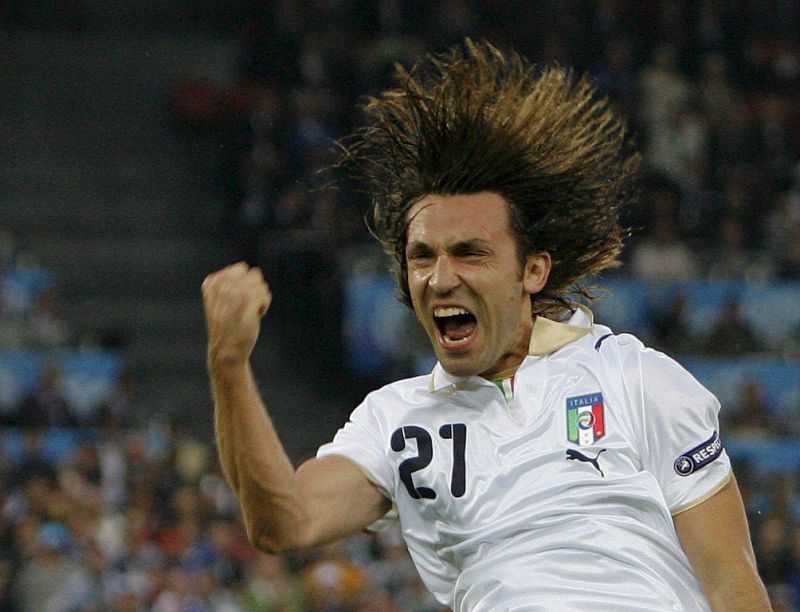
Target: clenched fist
column 235, row 298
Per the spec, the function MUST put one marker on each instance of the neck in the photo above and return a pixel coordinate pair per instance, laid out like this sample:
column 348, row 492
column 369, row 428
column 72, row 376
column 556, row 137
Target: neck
column 507, row 373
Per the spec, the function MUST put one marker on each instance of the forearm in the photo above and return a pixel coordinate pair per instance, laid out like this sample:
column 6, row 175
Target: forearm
column 739, row 590
column 716, row 539
column 254, row 461
column 282, row 508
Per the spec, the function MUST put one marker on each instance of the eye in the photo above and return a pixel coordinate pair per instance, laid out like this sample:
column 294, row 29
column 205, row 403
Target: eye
column 472, row 255
column 471, row 250
column 419, row 254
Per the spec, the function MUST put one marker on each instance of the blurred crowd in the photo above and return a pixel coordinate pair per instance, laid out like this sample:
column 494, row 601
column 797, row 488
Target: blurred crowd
column 37, row 341
column 29, row 314
column 141, row 519
column 710, row 89
column 119, row 513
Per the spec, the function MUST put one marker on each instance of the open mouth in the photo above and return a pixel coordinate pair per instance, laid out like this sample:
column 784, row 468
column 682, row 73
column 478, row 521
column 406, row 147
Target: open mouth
column 456, row 325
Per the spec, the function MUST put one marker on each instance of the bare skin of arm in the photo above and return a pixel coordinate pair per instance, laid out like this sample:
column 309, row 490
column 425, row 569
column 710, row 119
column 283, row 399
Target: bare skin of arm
column 716, row 539
column 283, row 508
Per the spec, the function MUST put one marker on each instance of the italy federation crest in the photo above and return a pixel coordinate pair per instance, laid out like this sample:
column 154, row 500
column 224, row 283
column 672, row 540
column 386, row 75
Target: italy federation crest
column 585, row 419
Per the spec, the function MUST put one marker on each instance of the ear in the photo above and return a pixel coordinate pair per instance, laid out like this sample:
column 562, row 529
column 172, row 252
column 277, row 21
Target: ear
column 536, row 272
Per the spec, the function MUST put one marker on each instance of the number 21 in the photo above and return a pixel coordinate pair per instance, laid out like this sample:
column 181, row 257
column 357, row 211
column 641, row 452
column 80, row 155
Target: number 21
column 457, row 432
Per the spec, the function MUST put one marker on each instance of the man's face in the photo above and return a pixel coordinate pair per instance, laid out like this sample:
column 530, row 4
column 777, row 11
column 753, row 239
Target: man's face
column 467, row 285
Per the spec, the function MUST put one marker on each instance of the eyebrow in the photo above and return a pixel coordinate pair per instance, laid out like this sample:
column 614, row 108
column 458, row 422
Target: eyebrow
column 456, row 247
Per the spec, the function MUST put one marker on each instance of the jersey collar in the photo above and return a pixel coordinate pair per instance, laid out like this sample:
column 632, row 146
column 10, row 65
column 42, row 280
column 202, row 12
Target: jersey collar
column 547, row 337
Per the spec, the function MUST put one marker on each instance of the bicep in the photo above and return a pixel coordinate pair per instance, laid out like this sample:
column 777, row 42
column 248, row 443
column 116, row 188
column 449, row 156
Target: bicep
column 715, row 536
column 339, row 498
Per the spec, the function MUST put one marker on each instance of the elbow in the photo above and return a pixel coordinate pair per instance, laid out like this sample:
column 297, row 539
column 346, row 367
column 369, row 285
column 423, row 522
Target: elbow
column 276, row 523
column 270, row 545
column 276, row 539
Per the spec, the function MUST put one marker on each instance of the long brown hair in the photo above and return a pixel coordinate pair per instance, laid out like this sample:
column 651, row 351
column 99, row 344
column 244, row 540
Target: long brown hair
column 475, row 119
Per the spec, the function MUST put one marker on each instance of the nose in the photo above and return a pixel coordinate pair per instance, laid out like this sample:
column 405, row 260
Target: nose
column 444, row 278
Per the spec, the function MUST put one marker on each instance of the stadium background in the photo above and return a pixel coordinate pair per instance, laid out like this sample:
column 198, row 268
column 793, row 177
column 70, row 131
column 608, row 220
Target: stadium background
column 143, row 145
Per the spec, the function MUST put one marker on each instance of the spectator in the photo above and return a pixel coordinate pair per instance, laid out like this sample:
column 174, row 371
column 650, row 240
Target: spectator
column 118, row 409
column 781, row 224
column 663, row 88
column 615, row 74
column 775, row 135
column 718, row 96
column 751, row 417
column 675, row 147
column 731, row 334
column 789, row 262
column 8, row 249
column 6, row 581
column 733, row 141
column 85, row 588
column 333, row 582
column 731, row 259
column 269, row 585
column 46, row 406
column 48, row 566
column 794, row 571
column 32, row 460
column 671, row 332
column 773, row 549
column 46, row 327
column 663, row 257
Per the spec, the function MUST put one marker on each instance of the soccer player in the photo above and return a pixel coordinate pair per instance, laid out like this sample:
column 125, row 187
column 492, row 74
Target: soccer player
column 546, row 463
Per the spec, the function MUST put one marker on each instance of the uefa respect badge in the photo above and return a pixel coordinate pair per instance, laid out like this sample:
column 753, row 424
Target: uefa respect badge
column 699, row 457
column 585, row 419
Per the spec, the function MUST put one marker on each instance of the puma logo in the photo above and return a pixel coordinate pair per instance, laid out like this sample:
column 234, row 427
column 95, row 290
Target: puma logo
column 573, row 455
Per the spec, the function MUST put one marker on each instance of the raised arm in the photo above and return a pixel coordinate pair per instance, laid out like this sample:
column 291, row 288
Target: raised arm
column 716, row 539
column 282, row 508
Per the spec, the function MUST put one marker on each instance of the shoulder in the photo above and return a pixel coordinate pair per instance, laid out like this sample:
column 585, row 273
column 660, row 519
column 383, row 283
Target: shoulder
column 655, row 377
column 626, row 348
column 637, row 361
column 602, row 338
column 625, row 356
column 605, row 345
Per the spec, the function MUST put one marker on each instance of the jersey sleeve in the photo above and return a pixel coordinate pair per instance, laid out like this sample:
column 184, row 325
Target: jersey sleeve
column 361, row 441
column 683, row 448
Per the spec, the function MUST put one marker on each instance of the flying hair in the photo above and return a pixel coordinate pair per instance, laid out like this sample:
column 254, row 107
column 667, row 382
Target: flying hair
column 476, row 119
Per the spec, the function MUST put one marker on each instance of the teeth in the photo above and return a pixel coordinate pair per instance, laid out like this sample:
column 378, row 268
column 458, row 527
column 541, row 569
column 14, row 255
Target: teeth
column 449, row 312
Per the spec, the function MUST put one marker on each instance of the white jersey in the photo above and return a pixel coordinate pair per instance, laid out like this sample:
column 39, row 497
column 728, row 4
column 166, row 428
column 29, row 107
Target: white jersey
column 558, row 498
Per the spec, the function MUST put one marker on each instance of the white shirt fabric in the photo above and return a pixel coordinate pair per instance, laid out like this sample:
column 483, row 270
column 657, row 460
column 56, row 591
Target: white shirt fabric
column 503, row 518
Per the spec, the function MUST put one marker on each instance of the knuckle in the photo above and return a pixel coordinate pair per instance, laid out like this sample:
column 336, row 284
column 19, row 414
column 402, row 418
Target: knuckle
column 209, row 279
